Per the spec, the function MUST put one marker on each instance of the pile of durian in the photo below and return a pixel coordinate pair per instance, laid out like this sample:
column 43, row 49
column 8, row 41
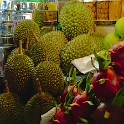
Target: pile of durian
column 35, row 69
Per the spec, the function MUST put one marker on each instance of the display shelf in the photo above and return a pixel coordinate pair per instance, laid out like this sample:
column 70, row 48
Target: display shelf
column 6, row 22
column 105, row 20
column 11, row 10
column 10, row 18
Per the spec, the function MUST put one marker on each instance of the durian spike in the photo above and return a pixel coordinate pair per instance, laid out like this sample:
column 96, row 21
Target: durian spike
column 20, row 47
column 39, row 86
column 7, row 88
column 35, row 36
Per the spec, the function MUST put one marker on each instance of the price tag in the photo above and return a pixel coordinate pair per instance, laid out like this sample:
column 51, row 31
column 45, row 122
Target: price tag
column 20, row 17
column 16, row 18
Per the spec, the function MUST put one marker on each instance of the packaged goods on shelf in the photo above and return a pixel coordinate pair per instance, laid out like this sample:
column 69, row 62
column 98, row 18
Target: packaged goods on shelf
column 50, row 15
column 102, row 10
column 50, row 11
column 115, row 10
column 92, row 7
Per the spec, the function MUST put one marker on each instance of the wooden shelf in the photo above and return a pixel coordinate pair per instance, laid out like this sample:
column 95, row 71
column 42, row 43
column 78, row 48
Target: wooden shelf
column 105, row 20
column 46, row 27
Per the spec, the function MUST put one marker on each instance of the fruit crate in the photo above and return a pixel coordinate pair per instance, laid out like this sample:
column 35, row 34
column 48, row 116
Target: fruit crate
column 115, row 8
column 108, row 11
column 102, row 10
column 92, row 7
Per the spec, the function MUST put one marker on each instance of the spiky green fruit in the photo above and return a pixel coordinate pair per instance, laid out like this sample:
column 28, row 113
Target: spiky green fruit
column 38, row 53
column 11, row 109
column 99, row 39
column 75, row 19
column 24, row 30
column 15, row 52
column 44, row 31
column 81, row 46
column 19, row 71
column 39, row 104
column 56, row 39
column 51, row 77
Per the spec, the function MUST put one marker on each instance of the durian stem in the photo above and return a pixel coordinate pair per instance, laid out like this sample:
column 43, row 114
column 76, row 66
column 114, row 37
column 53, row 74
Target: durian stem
column 7, row 88
column 92, row 30
column 46, row 55
column 94, row 27
column 39, row 86
column 20, row 47
column 27, row 43
column 35, row 36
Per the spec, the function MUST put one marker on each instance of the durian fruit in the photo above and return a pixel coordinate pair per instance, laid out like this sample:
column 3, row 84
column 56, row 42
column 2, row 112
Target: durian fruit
column 23, row 30
column 38, row 17
column 56, row 39
column 75, row 19
column 99, row 38
column 81, row 46
column 39, row 104
column 37, row 54
column 50, row 76
column 17, row 50
column 19, row 71
column 11, row 109
column 44, row 31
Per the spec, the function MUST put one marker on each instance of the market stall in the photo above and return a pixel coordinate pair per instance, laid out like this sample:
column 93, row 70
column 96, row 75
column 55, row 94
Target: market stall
column 61, row 62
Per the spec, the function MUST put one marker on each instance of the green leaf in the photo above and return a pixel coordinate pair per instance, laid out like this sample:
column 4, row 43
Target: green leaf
column 108, row 61
column 74, row 75
column 88, row 82
column 89, row 102
column 103, row 59
column 70, row 72
column 69, row 96
column 67, row 111
column 119, row 98
column 84, row 120
column 102, row 81
column 79, row 84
